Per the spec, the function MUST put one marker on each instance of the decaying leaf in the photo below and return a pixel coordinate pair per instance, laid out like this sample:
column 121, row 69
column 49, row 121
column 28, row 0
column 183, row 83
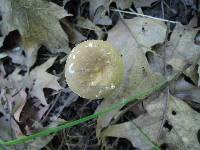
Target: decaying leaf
column 9, row 128
column 179, row 130
column 17, row 56
column 36, row 80
column 3, row 55
column 75, row 37
column 181, row 48
column 95, row 4
column 186, row 91
column 42, row 79
column 124, row 4
column 43, row 141
column 38, row 23
column 147, row 32
column 101, row 18
column 138, row 75
column 87, row 24
column 18, row 102
column 143, row 3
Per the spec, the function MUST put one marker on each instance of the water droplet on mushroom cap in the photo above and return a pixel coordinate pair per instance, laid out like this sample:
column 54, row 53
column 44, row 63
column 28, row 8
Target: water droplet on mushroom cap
column 96, row 71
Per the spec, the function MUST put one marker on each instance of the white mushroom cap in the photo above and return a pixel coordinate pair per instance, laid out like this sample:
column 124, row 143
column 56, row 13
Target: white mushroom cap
column 94, row 69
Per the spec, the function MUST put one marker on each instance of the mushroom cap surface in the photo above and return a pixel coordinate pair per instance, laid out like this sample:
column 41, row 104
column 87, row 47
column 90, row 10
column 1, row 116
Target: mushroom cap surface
column 94, row 69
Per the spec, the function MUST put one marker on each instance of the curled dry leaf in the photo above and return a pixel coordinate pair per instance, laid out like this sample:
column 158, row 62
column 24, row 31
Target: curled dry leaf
column 138, row 75
column 38, row 23
column 179, row 131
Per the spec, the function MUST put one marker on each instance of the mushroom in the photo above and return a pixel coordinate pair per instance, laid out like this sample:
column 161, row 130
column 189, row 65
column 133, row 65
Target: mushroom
column 94, row 69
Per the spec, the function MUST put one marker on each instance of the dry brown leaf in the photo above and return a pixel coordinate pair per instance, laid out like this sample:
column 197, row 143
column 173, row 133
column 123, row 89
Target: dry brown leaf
column 181, row 48
column 124, row 4
column 9, row 128
column 143, row 3
column 147, row 32
column 101, row 18
column 43, row 141
column 138, row 75
column 19, row 101
column 185, row 91
column 43, row 79
column 36, row 80
column 184, row 122
column 75, row 36
column 38, row 23
column 182, row 51
column 95, row 4
column 87, row 24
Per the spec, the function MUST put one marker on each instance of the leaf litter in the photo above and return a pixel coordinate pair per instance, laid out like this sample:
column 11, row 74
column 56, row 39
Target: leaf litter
column 147, row 48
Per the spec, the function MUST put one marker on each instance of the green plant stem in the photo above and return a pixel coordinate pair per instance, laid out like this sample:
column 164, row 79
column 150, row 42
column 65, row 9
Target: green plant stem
column 155, row 145
column 46, row 132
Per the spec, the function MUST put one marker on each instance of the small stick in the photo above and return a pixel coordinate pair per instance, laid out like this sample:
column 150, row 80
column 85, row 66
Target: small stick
column 142, row 15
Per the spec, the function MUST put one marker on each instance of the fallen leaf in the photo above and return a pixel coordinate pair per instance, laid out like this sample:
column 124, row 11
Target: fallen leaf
column 9, row 128
column 36, row 80
column 179, row 133
column 43, row 141
column 138, row 75
column 43, row 79
column 16, row 56
column 38, row 23
column 156, row 63
column 95, row 4
column 143, row 3
column 181, row 48
column 3, row 55
column 75, row 36
column 124, row 4
column 87, row 24
column 101, row 18
column 147, row 32
column 185, row 91
column 18, row 102
column 14, row 97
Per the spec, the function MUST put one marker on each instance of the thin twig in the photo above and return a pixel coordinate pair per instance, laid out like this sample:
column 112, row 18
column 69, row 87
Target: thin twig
column 142, row 15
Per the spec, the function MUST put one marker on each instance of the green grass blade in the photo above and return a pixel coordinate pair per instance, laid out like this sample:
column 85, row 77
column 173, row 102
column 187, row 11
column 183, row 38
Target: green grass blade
column 118, row 105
